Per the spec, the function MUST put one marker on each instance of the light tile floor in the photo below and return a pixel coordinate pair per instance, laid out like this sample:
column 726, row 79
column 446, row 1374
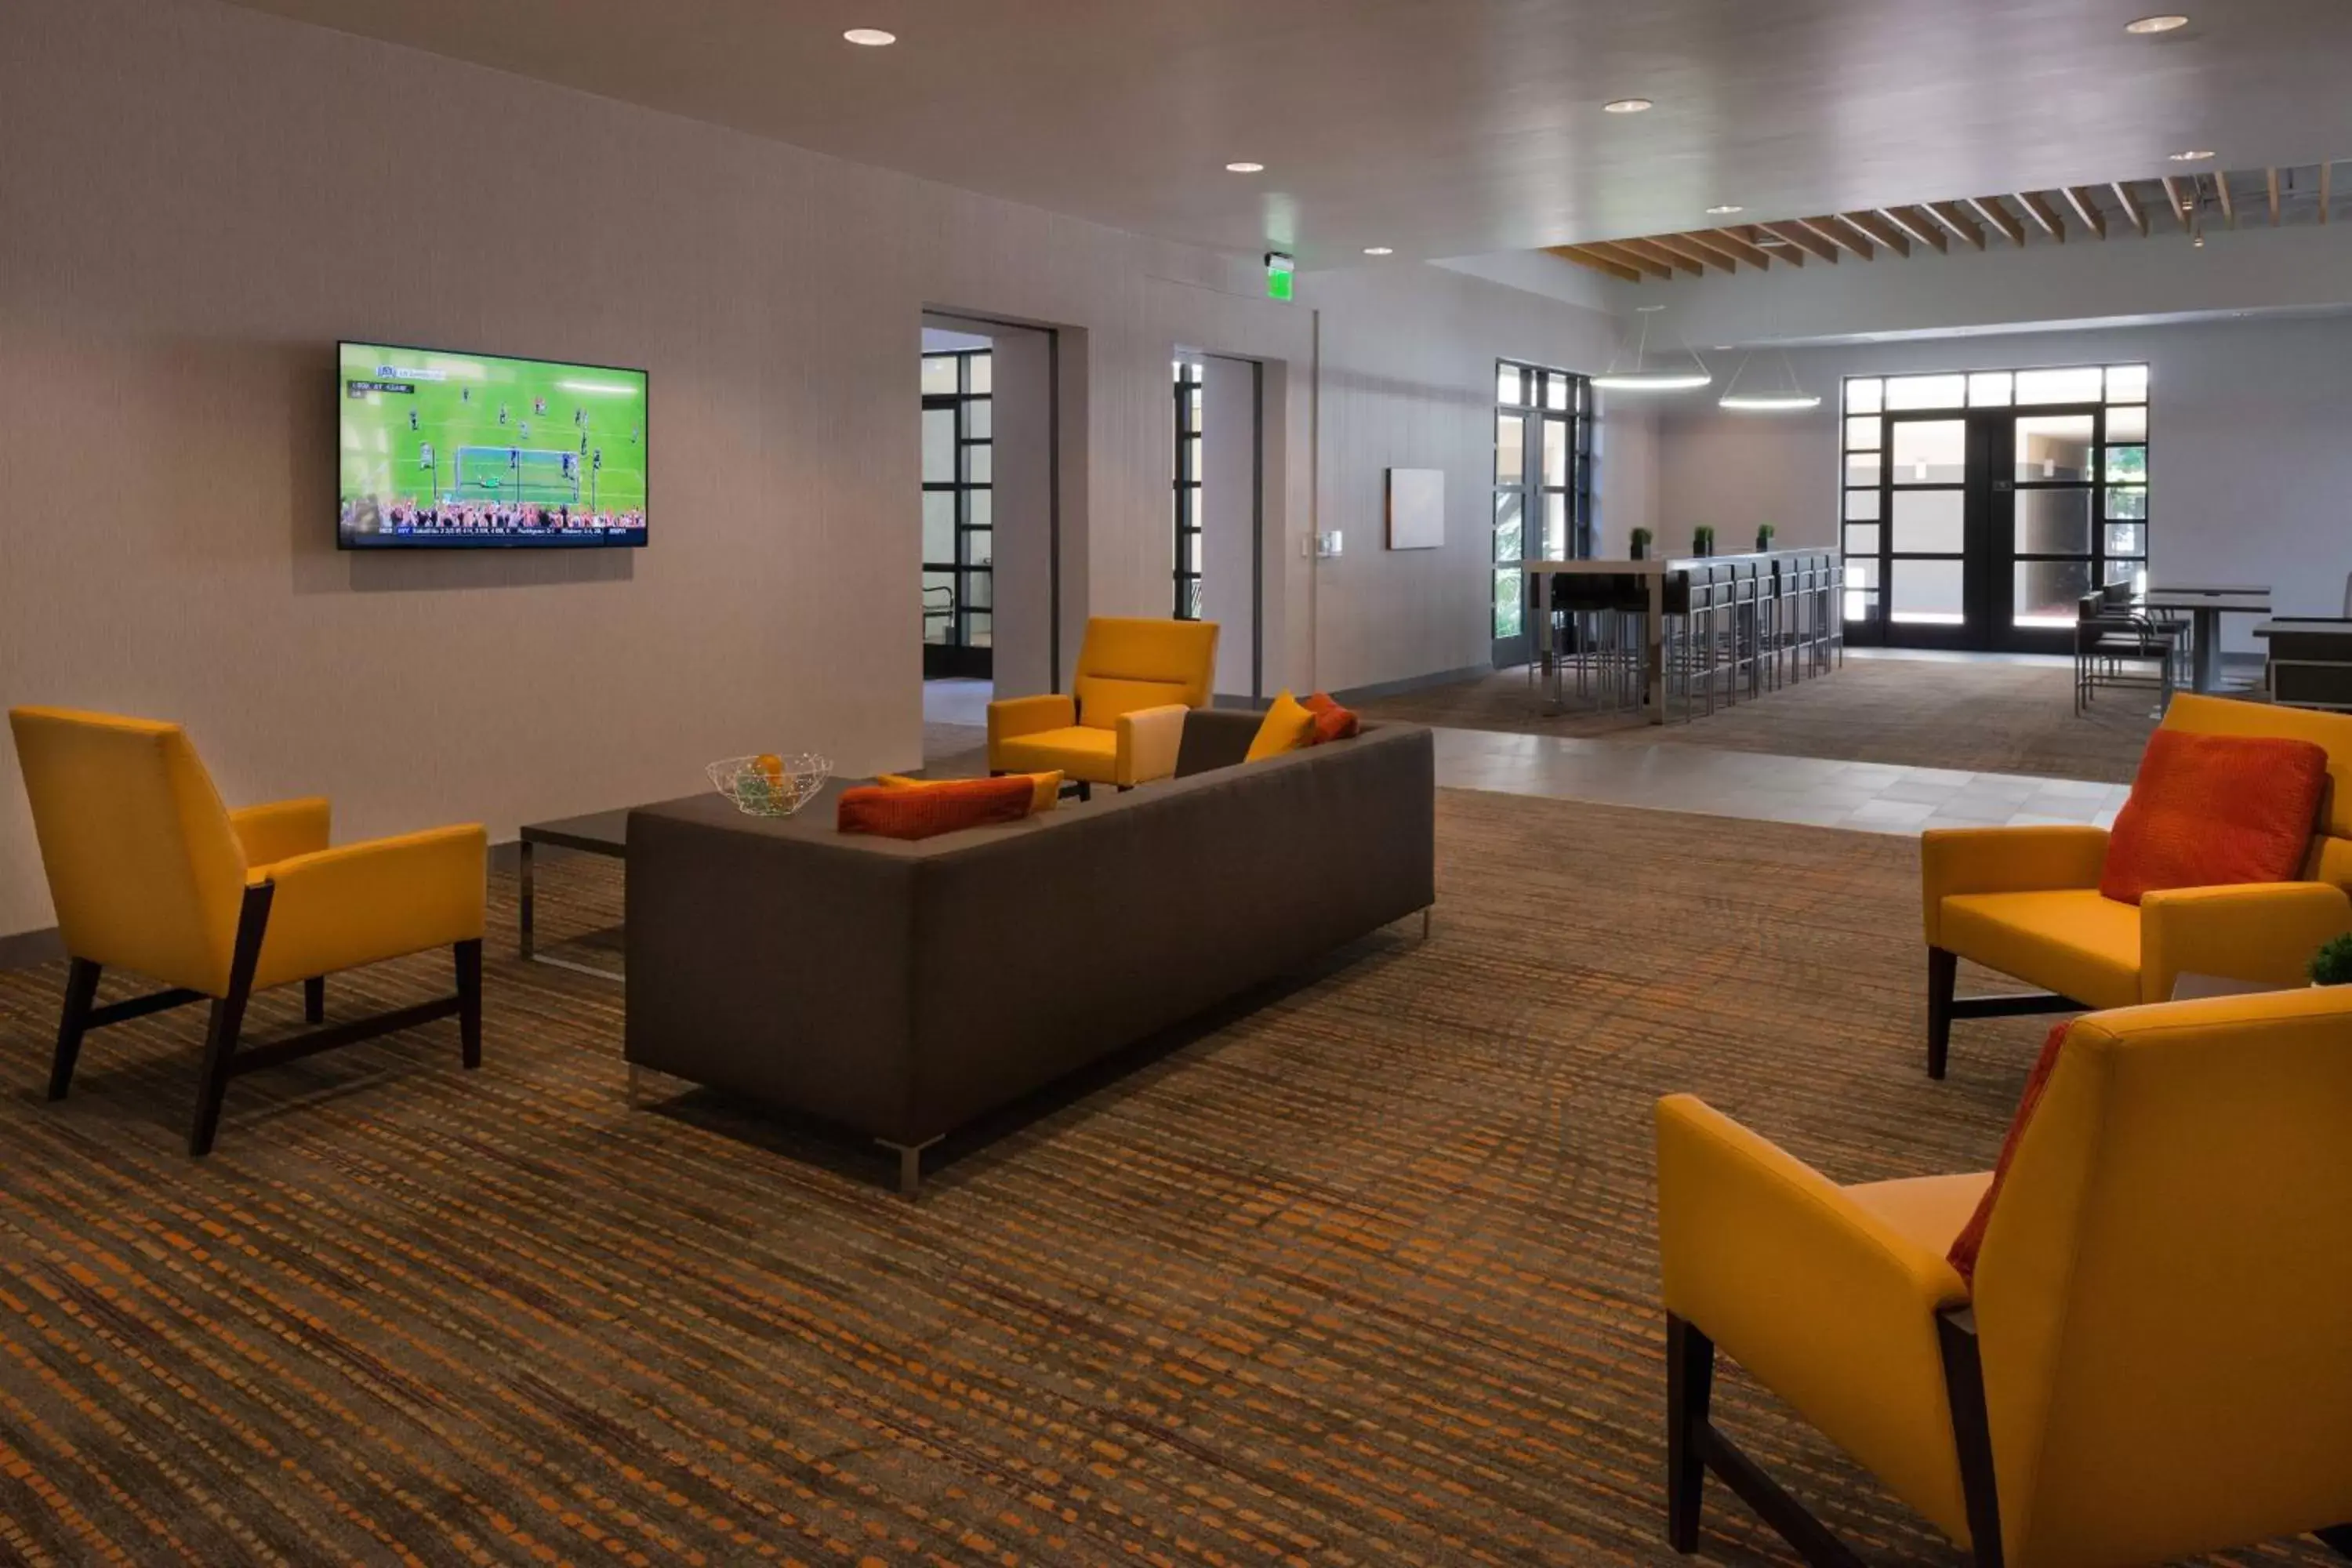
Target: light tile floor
column 1868, row 797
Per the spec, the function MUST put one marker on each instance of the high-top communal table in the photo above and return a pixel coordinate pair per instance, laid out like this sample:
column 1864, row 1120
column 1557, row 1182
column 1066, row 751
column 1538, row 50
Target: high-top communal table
column 2205, row 605
column 1653, row 574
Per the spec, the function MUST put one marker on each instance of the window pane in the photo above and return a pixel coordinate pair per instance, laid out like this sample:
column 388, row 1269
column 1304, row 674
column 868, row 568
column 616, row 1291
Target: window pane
column 1510, row 449
column 1510, row 526
column 980, row 546
column 977, row 632
column 980, row 508
column 2127, row 465
column 980, row 368
column 976, row 588
column 2127, row 505
column 1193, row 456
column 1189, row 551
column 1507, row 603
column 2082, row 385
column 1555, row 452
column 1928, row 522
column 1506, row 385
column 2132, row 572
column 2048, row 591
column 978, row 462
column 1862, row 396
column 1926, row 392
column 2126, row 539
column 2126, row 424
column 1862, row 433
column 2053, row 522
column 978, row 415
column 1860, row 607
column 1926, row 593
column 2127, row 384
column 1862, row 539
column 1862, row 506
column 939, row 446
column 1988, row 389
column 2054, row 446
column 1555, row 390
column 1931, row 452
column 1555, row 539
column 938, row 526
column 1861, row 572
column 1862, row 468
column 939, row 373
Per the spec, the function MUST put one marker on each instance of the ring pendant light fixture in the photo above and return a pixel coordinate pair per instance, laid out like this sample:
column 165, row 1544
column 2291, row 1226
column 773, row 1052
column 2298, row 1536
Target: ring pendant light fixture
column 1669, row 375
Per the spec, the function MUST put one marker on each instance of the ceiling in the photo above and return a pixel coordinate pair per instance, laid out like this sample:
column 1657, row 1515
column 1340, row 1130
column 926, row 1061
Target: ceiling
column 1445, row 127
column 2186, row 203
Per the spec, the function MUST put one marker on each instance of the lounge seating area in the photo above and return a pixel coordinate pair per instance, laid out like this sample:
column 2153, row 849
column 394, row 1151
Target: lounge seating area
column 1172, row 890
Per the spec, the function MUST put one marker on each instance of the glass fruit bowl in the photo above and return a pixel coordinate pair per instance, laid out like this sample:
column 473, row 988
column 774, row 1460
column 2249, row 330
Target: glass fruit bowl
column 770, row 784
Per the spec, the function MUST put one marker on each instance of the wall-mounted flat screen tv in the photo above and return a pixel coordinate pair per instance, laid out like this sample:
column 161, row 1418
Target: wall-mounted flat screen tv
column 445, row 450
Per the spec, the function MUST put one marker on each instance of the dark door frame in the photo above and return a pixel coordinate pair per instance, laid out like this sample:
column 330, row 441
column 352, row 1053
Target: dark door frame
column 1989, row 556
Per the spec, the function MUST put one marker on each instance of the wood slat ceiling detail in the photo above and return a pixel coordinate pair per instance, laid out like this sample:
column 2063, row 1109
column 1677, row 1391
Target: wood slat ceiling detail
column 2172, row 204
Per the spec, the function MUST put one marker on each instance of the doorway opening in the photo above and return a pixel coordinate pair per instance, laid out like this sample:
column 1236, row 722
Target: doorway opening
column 1218, row 507
column 1980, row 509
column 958, row 505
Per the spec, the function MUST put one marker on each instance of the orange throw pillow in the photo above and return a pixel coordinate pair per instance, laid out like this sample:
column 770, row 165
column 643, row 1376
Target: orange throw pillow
column 1332, row 722
column 931, row 809
column 1048, row 785
column 1966, row 1246
column 2207, row 811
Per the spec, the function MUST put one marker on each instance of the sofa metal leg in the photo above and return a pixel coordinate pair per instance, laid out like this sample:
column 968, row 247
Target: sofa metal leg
column 1426, row 910
column 910, row 1164
column 314, row 999
column 1943, row 976
column 1690, row 1383
column 81, row 991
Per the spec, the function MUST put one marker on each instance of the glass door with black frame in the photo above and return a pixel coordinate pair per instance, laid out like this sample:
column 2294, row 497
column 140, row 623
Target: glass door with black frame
column 1980, row 509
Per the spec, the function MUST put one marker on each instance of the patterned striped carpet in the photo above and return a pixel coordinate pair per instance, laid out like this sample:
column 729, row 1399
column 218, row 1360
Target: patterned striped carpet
column 1364, row 1275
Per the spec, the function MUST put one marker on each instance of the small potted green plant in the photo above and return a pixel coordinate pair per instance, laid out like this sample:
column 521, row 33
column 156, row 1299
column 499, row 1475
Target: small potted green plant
column 2332, row 964
column 1639, row 541
column 1763, row 538
column 1703, row 539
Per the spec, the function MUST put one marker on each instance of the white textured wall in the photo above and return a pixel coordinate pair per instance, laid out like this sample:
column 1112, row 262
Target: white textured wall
column 195, row 202
column 2250, row 467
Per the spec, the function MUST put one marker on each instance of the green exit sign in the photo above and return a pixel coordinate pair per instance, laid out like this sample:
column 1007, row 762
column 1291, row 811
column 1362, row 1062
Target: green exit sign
column 1281, row 276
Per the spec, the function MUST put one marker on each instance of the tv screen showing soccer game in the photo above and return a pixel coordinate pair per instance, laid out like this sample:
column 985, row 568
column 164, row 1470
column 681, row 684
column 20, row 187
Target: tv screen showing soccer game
column 443, row 450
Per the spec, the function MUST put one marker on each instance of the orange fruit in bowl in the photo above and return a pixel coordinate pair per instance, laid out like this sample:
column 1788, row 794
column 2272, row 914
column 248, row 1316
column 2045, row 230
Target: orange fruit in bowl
column 771, row 765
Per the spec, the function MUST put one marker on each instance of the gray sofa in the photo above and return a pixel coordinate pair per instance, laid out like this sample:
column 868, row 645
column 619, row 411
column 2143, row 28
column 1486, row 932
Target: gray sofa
column 904, row 989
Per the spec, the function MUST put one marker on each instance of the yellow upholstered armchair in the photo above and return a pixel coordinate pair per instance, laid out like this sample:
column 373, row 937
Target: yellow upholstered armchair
column 1124, row 719
column 2154, row 1359
column 151, row 873
column 2025, row 900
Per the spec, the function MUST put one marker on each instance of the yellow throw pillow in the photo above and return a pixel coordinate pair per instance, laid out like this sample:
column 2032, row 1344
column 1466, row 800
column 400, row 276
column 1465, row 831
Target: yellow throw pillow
column 1287, row 726
column 1048, row 787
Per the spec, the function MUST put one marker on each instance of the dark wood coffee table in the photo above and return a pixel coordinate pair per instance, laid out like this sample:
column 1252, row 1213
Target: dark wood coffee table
column 604, row 833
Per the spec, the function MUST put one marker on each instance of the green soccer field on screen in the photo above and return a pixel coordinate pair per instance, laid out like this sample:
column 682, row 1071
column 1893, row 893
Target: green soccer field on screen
column 455, row 449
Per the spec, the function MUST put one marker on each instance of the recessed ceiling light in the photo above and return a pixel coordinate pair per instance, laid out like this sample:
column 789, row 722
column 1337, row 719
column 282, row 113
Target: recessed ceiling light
column 2156, row 24
column 1245, row 168
column 1626, row 105
column 871, row 38
column 1378, row 250
column 2194, row 155
column 1726, row 210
